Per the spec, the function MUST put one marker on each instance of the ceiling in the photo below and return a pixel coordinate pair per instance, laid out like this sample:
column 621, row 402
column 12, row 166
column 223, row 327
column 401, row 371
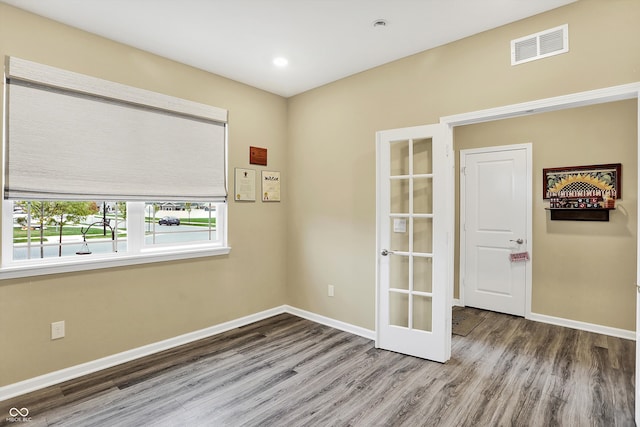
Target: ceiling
column 323, row 40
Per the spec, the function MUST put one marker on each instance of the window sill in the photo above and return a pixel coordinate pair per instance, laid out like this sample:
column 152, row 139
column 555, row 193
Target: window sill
column 68, row 266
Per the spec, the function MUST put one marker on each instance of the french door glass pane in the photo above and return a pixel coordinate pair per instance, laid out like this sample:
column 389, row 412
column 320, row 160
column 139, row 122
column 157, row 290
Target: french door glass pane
column 399, row 196
column 422, row 156
column 423, row 235
column 422, row 312
column 422, row 274
column 423, row 195
column 398, row 309
column 399, row 239
column 399, row 158
column 399, row 272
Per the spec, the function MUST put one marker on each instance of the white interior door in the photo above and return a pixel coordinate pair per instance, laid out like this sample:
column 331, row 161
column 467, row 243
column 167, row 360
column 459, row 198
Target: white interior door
column 413, row 311
column 495, row 217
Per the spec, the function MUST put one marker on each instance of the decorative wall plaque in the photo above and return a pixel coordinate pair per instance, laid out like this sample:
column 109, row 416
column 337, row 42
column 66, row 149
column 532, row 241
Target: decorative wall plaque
column 582, row 193
column 258, row 156
column 588, row 184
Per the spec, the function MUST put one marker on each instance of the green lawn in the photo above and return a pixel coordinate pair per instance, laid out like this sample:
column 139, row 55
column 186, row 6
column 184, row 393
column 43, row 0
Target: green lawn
column 20, row 235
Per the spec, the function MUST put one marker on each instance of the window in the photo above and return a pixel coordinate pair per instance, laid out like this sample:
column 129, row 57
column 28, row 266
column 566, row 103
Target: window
column 99, row 171
column 56, row 229
column 50, row 231
column 170, row 223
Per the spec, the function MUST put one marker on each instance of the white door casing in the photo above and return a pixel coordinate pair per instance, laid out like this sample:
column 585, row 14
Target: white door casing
column 413, row 309
column 495, row 221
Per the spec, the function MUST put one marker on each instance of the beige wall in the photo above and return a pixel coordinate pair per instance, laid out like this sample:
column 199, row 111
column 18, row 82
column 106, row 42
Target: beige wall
column 113, row 310
column 332, row 157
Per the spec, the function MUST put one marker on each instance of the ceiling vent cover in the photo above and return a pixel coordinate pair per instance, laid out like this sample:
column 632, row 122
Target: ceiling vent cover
column 540, row 45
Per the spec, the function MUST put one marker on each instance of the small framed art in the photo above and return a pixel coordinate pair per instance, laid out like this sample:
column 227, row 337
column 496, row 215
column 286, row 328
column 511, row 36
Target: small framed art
column 270, row 186
column 245, row 185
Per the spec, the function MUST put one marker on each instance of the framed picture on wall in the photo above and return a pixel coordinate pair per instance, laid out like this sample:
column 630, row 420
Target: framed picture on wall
column 583, row 182
column 270, row 186
column 245, row 185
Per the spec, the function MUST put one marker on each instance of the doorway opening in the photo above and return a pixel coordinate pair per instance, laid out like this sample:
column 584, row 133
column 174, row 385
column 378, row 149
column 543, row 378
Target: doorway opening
column 567, row 102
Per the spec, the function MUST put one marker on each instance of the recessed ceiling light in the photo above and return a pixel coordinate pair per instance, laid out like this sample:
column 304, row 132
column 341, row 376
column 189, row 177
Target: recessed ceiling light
column 280, row 62
column 379, row 23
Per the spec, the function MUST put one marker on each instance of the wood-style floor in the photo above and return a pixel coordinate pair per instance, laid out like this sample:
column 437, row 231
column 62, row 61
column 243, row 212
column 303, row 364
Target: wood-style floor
column 287, row 371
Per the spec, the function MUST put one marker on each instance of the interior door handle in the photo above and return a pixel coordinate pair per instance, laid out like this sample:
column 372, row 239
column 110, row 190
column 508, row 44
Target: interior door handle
column 385, row 252
column 518, row 241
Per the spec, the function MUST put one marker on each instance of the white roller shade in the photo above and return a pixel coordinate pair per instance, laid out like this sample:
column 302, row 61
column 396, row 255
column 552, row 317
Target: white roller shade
column 74, row 137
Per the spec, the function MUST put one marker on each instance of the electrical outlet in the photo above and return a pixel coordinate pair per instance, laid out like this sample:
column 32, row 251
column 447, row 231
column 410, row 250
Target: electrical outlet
column 330, row 290
column 57, row 330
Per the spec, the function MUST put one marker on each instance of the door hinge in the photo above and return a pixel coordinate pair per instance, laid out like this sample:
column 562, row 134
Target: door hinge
column 463, row 170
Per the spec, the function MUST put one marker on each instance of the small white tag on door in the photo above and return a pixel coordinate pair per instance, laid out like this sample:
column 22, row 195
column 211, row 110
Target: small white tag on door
column 399, row 225
column 519, row 257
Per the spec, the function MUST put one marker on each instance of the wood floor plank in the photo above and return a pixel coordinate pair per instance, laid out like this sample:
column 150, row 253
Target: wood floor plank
column 287, row 371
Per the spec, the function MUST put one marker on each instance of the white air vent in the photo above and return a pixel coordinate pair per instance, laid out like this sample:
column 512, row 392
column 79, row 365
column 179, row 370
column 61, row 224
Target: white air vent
column 540, row 45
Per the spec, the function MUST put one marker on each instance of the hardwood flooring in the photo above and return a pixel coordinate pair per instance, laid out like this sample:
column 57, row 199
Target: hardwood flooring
column 287, row 371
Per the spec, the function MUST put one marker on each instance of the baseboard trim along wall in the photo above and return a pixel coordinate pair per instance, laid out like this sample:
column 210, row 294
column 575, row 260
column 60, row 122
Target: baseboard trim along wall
column 57, row 377
column 327, row 321
column 573, row 324
column 583, row 326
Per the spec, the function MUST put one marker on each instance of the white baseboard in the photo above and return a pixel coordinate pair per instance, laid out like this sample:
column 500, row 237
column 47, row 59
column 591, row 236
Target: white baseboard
column 583, row 326
column 573, row 324
column 347, row 327
column 57, row 377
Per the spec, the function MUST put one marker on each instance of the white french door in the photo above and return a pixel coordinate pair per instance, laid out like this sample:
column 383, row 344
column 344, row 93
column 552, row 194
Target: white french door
column 413, row 310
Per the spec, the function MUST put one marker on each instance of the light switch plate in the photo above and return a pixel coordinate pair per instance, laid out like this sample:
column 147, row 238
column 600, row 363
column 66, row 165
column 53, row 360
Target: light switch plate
column 399, row 225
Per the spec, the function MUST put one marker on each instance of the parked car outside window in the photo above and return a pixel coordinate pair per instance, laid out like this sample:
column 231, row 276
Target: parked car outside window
column 169, row 220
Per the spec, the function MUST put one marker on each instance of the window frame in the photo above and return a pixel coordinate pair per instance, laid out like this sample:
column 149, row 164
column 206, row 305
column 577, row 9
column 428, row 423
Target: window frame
column 137, row 252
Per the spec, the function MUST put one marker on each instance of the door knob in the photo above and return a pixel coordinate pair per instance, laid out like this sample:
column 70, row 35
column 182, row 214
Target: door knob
column 385, row 252
column 518, row 241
